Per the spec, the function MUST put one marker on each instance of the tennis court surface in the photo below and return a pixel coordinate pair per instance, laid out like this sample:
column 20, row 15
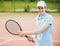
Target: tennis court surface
column 27, row 22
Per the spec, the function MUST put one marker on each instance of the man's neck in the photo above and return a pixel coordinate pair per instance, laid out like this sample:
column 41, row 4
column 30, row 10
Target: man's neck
column 41, row 14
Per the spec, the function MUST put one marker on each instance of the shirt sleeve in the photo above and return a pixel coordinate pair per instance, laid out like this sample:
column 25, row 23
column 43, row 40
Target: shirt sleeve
column 49, row 20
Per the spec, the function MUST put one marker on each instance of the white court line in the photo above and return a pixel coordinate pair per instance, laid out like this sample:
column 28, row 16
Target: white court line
column 56, row 41
column 15, row 38
column 10, row 39
column 6, row 41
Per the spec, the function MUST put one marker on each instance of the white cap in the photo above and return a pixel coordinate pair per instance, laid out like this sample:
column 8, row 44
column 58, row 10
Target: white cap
column 41, row 3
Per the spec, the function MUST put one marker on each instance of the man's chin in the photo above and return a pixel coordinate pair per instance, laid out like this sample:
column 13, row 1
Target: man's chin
column 41, row 13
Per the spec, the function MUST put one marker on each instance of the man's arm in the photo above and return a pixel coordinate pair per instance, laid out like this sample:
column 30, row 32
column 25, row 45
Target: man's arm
column 38, row 31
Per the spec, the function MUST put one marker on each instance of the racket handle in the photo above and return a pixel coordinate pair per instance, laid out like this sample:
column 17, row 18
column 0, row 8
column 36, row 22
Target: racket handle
column 32, row 39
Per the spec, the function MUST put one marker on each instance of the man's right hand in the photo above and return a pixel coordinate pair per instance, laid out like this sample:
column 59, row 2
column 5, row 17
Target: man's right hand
column 30, row 38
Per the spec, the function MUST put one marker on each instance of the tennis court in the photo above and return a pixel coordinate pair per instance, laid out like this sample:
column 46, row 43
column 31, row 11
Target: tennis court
column 27, row 22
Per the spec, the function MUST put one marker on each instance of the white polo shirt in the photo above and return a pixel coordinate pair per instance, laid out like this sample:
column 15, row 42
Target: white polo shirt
column 45, row 38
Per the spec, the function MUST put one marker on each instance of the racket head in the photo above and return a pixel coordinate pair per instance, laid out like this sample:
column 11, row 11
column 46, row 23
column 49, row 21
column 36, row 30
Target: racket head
column 13, row 27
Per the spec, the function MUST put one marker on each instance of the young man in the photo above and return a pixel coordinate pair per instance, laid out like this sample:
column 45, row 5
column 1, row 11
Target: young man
column 44, row 23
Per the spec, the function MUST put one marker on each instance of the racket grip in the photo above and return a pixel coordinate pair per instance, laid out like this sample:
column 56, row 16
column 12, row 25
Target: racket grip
column 32, row 39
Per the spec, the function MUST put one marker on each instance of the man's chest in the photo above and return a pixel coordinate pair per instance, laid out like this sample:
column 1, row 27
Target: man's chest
column 40, row 22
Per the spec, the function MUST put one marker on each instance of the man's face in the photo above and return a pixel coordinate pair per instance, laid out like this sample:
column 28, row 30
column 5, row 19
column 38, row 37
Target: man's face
column 41, row 10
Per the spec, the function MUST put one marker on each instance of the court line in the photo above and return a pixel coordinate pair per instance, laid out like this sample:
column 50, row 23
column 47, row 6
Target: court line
column 56, row 41
column 6, row 41
column 12, row 38
column 9, row 39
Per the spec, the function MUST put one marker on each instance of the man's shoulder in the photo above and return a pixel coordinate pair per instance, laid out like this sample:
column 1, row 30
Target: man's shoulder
column 49, row 16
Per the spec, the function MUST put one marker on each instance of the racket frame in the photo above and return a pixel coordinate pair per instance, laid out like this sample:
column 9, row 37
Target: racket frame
column 8, row 29
column 19, row 28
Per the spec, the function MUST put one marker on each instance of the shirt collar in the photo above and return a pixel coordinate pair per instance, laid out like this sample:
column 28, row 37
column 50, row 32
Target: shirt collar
column 41, row 17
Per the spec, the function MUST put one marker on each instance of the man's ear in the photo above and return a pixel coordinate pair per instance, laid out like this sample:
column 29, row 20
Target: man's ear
column 45, row 8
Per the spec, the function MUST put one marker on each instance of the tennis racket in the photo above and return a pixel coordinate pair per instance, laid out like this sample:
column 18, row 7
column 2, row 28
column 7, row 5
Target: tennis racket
column 13, row 27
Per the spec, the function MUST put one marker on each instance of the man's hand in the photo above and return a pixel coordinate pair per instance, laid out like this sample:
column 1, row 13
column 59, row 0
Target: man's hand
column 29, row 38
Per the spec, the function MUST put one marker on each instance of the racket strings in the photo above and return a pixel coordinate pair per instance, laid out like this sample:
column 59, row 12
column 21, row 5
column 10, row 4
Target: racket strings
column 12, row 27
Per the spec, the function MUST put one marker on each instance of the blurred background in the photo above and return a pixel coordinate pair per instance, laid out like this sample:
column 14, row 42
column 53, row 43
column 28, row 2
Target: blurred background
column 27, row 5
